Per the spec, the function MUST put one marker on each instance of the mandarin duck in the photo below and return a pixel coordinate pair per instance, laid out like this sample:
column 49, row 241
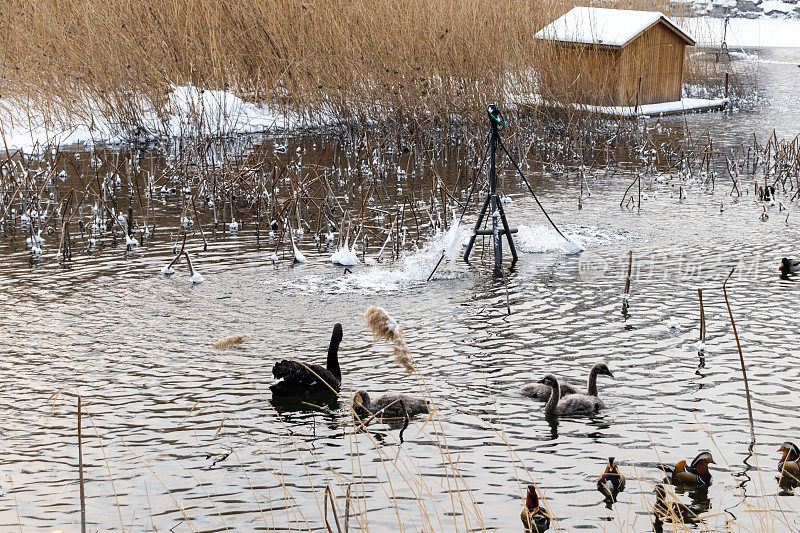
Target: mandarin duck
column 694, row 475
column 535, row 519
column 611, row 482
column 790, row 461
column 789, row 266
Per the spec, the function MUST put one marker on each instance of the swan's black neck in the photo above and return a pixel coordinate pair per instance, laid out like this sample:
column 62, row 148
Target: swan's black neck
column 592, row 391
column 555, row 396
column 333, row 352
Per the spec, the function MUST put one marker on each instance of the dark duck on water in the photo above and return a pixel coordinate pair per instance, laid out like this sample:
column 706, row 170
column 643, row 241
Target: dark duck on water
column 691, row 475
column 789, row 266
column 611, row 482
column 672, row 510
column 302, row 379
column 535, row 519
column 388, row 405
column 790, row 461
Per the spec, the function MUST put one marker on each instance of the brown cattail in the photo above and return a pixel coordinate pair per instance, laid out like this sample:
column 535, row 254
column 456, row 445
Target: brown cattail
column 386, row 328
column 234, row 341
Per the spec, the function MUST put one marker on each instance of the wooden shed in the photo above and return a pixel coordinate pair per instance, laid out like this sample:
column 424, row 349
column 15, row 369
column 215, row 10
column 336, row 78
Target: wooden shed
column 614, row 57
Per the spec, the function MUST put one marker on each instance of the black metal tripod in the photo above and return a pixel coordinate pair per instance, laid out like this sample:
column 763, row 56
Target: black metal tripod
column 492, row 199
column 498, row 215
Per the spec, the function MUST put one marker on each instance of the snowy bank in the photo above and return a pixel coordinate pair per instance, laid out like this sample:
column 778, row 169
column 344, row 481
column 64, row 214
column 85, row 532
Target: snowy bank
column 188, row 111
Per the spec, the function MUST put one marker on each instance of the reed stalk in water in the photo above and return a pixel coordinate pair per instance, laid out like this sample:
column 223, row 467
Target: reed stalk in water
column 702, row 345
column 741, row 361
column 80, row 471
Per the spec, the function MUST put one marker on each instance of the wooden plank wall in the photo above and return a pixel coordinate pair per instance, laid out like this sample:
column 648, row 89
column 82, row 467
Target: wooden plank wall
column 584, row 74
column 657, row 56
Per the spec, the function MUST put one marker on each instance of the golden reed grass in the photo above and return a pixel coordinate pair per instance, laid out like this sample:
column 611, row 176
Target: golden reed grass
column 234, row 341
column 378, row 61
column 386, row 328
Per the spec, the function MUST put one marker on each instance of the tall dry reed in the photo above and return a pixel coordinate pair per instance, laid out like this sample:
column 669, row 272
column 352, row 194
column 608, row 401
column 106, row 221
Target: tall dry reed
column 403, row 61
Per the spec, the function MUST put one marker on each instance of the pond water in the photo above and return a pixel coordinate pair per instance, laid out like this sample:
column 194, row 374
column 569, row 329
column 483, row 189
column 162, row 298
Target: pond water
column 180, row 436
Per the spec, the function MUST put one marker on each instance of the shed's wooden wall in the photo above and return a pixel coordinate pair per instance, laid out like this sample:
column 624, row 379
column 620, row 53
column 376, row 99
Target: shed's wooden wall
column 657, row 56
column 583, row 74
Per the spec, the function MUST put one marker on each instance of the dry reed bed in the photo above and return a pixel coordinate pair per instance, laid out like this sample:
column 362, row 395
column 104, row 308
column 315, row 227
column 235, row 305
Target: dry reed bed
column 418, row 63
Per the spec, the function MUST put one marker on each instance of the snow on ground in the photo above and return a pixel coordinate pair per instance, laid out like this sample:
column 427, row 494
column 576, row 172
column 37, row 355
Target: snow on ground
column 745, row 8
column 686, row 105
column 745, row 33
column 772, row 6
column 190, row 111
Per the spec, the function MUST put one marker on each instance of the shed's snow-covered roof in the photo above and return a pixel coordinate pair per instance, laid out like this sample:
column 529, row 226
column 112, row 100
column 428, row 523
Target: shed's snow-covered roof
column 606, row 27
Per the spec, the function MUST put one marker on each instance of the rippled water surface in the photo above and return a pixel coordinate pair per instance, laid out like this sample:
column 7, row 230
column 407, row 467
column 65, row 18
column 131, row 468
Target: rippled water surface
column 180, row 436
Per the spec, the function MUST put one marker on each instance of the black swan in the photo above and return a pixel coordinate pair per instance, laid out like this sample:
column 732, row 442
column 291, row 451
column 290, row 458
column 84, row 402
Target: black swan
column 301, row 379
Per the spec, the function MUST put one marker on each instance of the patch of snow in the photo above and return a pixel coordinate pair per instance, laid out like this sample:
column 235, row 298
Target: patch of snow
column 769, row 6
column 649, row 110
column 190, row 111
column 701, row 347
column 35, row 239
column 745, row 33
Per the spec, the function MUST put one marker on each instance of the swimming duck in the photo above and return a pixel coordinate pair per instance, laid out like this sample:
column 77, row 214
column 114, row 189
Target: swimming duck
column 612, row 481
column 672, row 510
column 300, row 379
column 535, row 519
column 572, row 404
column 388, row 405
column 693, row 475
column 542, row 392
column 789, row 266
column 790, row 462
